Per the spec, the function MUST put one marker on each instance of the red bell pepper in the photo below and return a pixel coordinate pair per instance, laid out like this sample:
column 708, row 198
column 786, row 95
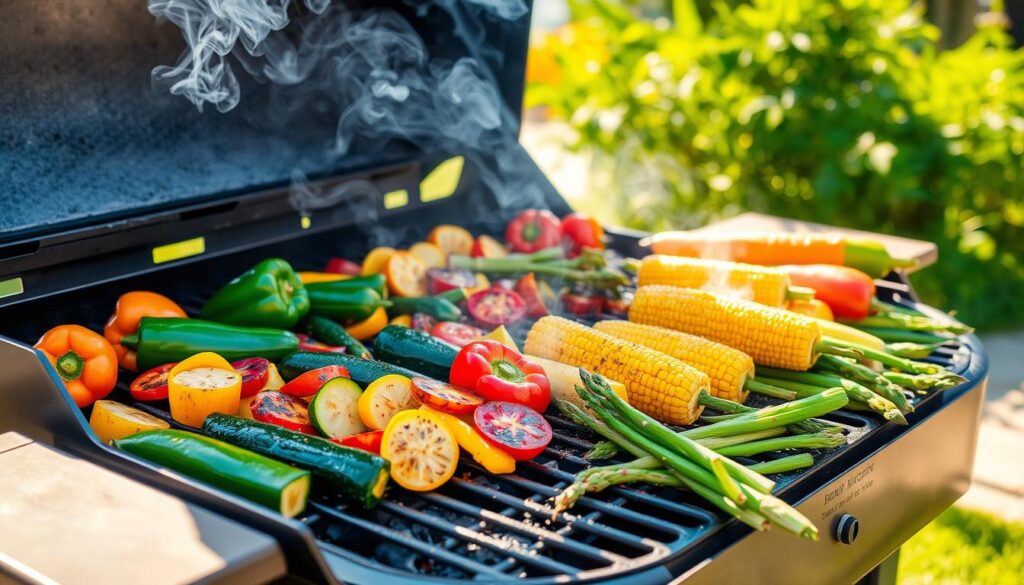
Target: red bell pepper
column 498, row 372
column 533, row 230
column 309, row 382
column 847, row 291
column 343, row 266
column 581, row 231
column 368, row 441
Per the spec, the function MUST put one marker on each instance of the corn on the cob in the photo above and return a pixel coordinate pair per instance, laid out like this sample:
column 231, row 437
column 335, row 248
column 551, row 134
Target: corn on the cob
column 773, row 337
column 727, row 368
column 761, row 284
column 658, row 385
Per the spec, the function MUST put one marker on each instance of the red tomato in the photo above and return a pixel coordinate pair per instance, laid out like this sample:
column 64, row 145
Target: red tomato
column 527, row 288
column 518, row 430
column 254, row 372
column 581, row 231
column 151, row 384
column 440, row 280
column 457, row 334
column 368, row 441
column 282, row 410
column 343, row 266
column 444, row 397
column 618, row 306
column 497, row 306
column 576, row 304
column 308, row 383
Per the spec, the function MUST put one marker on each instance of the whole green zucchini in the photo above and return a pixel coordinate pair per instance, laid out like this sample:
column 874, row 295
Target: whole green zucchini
column 233, row 469
column 420, row 352
column 331, row 332
column 161, row 340
column 437, row 307
column 361, row 371
column 359, row 475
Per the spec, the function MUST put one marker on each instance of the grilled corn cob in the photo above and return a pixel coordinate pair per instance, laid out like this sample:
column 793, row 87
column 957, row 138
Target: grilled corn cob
column 773, row 337
column 761, row 284
column 658, row 385
column 727, row 368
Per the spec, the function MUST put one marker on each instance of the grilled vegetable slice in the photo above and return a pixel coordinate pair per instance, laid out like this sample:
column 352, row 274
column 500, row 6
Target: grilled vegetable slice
column 376, row 259
column 151, row 384
column 497, row 306
column 358, row 475
column 452, row 239
column 457, row 334
column 254, row 477
column 255, row 372
column 440, row 280
column 310, row 382
column 502, row 336
column 491, row 457
column 406, row 274
column 334, row 410
column 423, row 322
column 418, row 351
column 432, row 255
column 487, row 247
column 112, row 420
column 518, row 430
column 526, row 287
column 422, row 450
column 444, row 397
column 384, row 398
column 369, row 327
column 361, row 371
column 282, row 410
column 368, row 441
column 582, row 305
column 342, row 266
column 200, row 385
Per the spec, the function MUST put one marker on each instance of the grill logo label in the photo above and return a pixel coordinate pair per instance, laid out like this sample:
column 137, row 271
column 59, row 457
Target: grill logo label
column 840, row 496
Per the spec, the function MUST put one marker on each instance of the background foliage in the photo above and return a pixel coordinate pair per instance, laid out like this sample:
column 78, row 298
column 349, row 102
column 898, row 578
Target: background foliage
column 838, row 111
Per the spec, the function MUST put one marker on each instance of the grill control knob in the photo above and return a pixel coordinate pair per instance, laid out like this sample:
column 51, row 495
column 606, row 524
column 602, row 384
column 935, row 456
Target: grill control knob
column 847, row 529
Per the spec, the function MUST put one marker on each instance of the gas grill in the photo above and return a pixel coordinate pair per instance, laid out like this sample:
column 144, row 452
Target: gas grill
column 182, row 224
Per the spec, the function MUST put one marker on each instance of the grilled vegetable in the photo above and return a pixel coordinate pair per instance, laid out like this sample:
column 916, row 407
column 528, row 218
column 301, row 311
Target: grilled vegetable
column 418, row 351
column 283, row 410
column 307, row 343
column 423, row 322
column 269, row 294
column 811, row 308
column 376, row 282
column 457, row 334
column 500, row 373
column 581, row 231
column 375, row 261
column 369, row 441
column 344, row 303
column 255, row 372
column 438, row 307
column 761, row 284
column 422, row 450
column 343, row 266
column 332, row 333
column 84, row 360
column 431, row 255
column 440, row 280
column 406, row 274
column 444, row 397
column 487, row 247
column 773, row 337
column 358, row 475
column 502, row 336
column 310, row 382
column 518, row 430
column 254, row 477
column 728, row 369
column 200, row 385
column 112, row 420
column 526, row 287
column 847, row 291
column 383, row 399
column 563, row 379
column 334, row 411
column 659, row 385
column 780, row 248
column 369, row 327
column 452, row 239
column 532, row 230
column 850, row 334
column 131, row 307
column 308, row 277
column 360, row 371
column 582, row 305
column 151, row 384
column 488, row 455
column 165, row 340
column 497, row 306
column 401, row 321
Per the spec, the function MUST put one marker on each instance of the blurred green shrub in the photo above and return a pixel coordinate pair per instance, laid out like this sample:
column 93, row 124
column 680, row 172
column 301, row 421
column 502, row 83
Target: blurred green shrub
column 838, row 111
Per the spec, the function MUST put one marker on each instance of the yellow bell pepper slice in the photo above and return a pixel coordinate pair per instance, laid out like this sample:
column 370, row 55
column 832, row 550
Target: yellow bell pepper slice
column 202, row 385
column 402, row 321
column 369, row 327
column 486, row 454
column 502, row 336
column 312, row 277
column 112, row 421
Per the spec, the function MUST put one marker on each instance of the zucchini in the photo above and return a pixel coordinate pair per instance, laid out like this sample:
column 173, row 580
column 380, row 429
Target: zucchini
column 377, row 282
column 222, row 465
column 331, row 332
column 361, row 371
column 334, row 410
column 416, row 350
column 358, row 475
column 437, row 307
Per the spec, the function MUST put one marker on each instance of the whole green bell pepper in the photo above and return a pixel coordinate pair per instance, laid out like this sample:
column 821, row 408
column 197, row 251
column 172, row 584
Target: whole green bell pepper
column 164, row 340
column 269, row 294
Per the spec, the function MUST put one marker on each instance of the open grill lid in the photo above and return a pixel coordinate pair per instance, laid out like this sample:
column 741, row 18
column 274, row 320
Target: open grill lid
column 101, row 167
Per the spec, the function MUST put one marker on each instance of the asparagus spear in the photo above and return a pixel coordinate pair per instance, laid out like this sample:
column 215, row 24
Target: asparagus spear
column 804, row 426
column 812, row 381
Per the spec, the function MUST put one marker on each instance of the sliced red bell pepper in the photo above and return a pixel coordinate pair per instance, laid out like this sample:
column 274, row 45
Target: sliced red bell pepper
column 498, row 372
column 847, row 291
column 308, row 383
column 368, row 441
column 582, row 305
column 343, row 266
column 581, row 231
column 527, row 288
column 533, row 230
column 307, row 343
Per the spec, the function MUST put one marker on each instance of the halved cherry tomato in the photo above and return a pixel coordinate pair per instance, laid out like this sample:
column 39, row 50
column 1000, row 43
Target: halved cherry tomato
column 307, row 343
column 578, row 304
column 375, row 260
column 527, row 288
column 282, row 410
column 430, row 254
column 457, row 334
column 343, row 266
column 618, row 305
column 423, row 322
column 368, row 441
column 518, row 430
column 406, row 274
column 452, row 239
column 151, row 384
column 309, row 382
column 255, row 372
column 444, row 397
column 440, row 280
column 497, row 306
column 487, row 247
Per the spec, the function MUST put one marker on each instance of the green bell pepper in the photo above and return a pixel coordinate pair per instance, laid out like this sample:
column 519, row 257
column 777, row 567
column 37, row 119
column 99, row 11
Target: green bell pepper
column 164, row 340
column 269, row 294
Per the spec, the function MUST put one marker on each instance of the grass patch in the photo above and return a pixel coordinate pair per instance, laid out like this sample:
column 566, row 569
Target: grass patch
column 964, row 546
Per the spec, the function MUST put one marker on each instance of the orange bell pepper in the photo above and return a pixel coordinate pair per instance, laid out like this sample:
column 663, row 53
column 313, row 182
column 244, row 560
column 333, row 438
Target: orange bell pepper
column 83, row 359
column 370, row 326
column 130, row 309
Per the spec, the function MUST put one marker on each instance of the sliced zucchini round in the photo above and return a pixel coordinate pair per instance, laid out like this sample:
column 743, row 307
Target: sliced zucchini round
column 334, row 410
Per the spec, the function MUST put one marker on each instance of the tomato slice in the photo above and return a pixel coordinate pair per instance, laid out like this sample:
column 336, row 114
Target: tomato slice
column 422, row 450
column 497, row 306
column 282, row 410
column 151, row 384
column 457, row 334
column 443, row 396
column 518, row 430
column 368, row 441
column 307, row 343
column 406, row 275
column 440, row 280
column 577, row 304
column 255, row 372
column 308, row 383
column 527, row 288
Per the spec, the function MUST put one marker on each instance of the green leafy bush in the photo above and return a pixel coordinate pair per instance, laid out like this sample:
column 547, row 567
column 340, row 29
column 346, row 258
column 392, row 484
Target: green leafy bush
column 838, row 111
